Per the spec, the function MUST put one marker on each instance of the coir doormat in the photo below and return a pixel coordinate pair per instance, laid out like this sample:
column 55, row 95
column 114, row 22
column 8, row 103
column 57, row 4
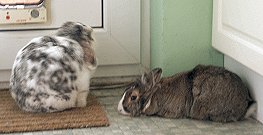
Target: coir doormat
column 13, row 119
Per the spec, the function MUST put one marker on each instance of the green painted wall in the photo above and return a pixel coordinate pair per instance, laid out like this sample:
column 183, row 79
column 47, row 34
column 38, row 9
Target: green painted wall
column 181, row 35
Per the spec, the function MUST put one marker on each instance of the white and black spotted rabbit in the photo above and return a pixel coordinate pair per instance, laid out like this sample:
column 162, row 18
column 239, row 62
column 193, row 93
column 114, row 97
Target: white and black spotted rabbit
column 52, row 73
column 204, row 93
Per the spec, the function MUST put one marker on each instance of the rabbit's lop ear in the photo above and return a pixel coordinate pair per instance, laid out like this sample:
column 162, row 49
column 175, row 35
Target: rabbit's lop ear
column 144, row 79
column 150, row 84
column 157, row 74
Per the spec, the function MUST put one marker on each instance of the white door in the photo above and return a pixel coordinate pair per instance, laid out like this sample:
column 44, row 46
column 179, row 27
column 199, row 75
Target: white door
column 238, row 31
column 117, row 27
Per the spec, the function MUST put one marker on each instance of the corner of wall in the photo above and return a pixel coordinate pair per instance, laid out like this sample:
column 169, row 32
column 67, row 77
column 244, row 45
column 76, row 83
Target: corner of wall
column 156, row 26
column 181, row 35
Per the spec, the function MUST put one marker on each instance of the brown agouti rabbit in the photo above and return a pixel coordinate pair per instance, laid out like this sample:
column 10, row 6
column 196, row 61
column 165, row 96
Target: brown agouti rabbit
column 204, row 93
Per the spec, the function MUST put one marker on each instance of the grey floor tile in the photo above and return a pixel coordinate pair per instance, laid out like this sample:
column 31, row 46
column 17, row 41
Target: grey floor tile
column 125, row 125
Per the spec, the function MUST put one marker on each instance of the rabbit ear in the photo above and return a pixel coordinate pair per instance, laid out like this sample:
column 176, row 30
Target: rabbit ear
column 144, row 79
column 157, row 73
column 146, row 100
column 150, row 82
column 152, row 78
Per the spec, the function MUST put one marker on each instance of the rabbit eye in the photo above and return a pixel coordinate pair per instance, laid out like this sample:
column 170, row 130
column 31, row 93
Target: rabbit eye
column 133, row 98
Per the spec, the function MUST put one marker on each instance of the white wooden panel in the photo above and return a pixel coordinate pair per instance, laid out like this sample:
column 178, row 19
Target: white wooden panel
column 238, row 31
column 245, row 18
column 119, row 41
column 86, row 11
column 126, row 27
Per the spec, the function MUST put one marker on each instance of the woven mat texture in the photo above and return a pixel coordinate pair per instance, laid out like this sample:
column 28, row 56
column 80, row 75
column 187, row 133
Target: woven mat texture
column 13, row 119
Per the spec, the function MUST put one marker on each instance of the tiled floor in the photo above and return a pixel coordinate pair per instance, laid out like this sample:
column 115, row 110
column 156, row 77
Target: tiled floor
column 123, row 125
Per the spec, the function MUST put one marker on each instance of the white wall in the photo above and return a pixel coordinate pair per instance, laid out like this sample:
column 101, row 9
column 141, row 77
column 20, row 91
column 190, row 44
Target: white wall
column 253, row 80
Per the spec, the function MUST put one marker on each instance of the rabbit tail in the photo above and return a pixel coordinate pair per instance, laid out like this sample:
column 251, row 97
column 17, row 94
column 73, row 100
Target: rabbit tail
column 252, row 110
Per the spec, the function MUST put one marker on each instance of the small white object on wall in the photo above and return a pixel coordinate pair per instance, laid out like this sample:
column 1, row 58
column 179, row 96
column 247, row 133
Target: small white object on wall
column 21, row 14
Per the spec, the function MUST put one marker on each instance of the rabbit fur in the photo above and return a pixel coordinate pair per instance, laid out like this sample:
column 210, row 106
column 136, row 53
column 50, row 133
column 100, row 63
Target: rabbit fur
column 52, row 73
column 204, row 93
